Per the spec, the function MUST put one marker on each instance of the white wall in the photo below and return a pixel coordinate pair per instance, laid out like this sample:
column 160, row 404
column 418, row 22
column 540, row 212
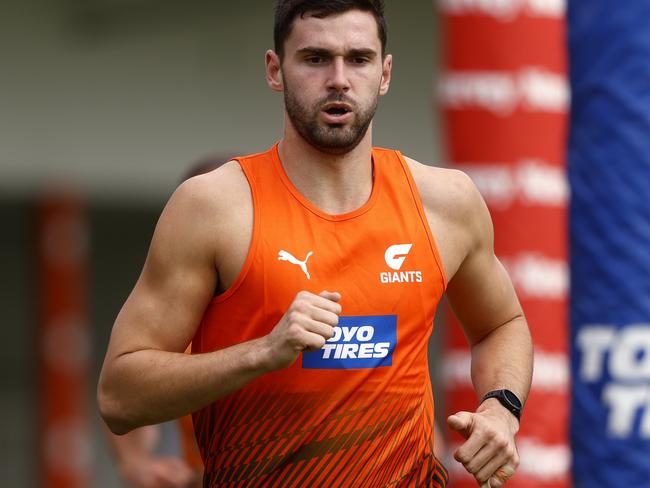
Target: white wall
column 118, row 100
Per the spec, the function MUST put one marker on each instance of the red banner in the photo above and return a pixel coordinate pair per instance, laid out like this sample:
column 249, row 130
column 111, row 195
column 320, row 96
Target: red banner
column 504, row 100
column 64, row 348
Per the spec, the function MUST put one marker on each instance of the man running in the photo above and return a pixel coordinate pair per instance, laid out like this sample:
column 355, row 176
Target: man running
column 307, row 278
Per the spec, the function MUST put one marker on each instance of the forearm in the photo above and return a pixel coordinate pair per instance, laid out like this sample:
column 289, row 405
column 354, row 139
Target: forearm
column 504, row 359
column 151, row 386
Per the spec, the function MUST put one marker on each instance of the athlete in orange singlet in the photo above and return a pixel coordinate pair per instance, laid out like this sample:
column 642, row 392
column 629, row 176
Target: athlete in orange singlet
column 329, row 256
column 138, row 462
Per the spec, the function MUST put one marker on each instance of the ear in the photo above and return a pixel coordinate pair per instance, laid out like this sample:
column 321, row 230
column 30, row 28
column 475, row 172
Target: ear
column 387, row 67
column 274, row 71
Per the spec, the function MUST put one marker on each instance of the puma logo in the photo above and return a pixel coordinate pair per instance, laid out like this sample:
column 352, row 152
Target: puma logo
column 286, row 256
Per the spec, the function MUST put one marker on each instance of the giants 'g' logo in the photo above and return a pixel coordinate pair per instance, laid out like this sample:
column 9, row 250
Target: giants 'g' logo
column 396, row 254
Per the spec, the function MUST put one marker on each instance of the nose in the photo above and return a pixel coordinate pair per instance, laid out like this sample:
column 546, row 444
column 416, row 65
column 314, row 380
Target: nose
column 338, row 79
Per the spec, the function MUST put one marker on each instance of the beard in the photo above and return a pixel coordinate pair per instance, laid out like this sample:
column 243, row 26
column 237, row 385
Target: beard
column 329, row 138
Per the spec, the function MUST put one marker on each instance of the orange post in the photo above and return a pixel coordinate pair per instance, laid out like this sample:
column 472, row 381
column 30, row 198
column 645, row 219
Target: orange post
column 63, row 343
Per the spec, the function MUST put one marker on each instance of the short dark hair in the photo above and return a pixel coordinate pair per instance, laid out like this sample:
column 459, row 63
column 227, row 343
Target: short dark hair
column 286, row 11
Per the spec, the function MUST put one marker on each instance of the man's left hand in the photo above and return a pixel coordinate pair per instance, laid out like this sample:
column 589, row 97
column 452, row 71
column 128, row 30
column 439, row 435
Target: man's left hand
column 489, row 452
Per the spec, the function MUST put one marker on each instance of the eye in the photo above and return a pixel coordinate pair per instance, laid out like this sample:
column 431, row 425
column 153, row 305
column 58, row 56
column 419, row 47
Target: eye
column 360, row 60
column 315, row 59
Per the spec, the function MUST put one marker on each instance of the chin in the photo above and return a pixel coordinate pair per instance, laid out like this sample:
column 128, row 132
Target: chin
column 335, row 149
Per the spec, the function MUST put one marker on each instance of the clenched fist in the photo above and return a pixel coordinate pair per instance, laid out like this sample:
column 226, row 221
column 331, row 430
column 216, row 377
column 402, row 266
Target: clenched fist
column 307, row 324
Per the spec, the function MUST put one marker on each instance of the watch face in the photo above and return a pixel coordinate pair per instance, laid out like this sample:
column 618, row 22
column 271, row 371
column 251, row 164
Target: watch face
column 512, row 398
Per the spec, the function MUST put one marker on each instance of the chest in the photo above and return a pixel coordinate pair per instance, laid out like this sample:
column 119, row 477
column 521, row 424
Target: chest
column 381, row 258
column 379, row 261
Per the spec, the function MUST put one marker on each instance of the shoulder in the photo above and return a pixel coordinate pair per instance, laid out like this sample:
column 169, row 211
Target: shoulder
column 214, row 188
column 203, row 207
column 210, row 194
column 456, row 212
column 448, row 192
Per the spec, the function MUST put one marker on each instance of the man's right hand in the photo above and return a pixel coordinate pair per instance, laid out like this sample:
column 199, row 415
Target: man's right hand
column 307, row 324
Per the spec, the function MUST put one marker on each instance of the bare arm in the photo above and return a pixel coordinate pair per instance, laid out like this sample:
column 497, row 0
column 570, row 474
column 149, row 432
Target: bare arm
column 146, row 378
column 484, row 300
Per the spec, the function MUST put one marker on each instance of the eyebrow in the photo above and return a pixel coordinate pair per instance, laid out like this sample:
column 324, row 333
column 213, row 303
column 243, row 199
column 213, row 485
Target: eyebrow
column 319, row 51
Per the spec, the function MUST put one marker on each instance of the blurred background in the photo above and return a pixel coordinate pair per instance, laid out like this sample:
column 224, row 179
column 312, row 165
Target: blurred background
column 104, row 105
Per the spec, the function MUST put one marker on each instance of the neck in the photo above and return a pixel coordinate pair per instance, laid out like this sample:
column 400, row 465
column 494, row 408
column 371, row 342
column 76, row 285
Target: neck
column 335, row 183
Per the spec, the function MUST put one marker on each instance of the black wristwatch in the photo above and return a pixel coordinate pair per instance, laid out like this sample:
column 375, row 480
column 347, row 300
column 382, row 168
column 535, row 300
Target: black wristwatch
column 508, row 399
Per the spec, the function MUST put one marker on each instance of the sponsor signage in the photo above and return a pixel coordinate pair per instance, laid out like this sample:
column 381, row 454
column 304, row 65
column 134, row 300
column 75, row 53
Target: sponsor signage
column 358, row 342
column 616, row 362
column 610, row 243
column 505, row 97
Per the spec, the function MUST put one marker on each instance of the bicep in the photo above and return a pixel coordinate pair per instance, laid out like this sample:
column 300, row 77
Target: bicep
column 176, row 284
column 482, row 296
column 481, row 293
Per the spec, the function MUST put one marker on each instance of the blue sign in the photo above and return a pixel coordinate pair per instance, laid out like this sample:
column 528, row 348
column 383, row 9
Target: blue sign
column 358, row 342
column 609, row 171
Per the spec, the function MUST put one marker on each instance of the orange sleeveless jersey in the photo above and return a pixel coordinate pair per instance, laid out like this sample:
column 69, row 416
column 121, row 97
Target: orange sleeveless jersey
column 358, row 412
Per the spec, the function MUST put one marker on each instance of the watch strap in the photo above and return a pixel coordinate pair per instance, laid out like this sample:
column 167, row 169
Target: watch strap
column 508, row 399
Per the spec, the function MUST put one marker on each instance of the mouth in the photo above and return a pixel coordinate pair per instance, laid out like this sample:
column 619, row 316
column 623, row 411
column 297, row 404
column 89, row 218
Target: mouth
column 337, row 112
